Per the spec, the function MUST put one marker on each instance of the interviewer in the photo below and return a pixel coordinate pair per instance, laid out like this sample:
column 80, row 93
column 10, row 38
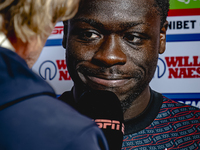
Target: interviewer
column 30, row 116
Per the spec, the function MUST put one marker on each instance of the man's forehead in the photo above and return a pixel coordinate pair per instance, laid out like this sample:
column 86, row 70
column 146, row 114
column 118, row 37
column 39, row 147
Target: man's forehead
column 116, row 12
column 106, row 4
column 118, row 9
column 111, row 5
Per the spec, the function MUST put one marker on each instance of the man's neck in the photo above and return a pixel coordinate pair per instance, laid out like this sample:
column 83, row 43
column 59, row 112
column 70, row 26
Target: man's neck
column 138, row 105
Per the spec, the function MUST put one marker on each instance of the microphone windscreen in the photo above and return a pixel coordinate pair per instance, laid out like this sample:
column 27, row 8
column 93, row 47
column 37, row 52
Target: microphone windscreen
column 105, row 108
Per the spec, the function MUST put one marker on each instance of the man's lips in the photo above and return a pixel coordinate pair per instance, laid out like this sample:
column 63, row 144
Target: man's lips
column 108, row 82
column 107, row 77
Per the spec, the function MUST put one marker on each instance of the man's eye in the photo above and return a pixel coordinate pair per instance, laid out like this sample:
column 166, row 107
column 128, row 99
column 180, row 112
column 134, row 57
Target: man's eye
column 89, row 36
column 133, row 39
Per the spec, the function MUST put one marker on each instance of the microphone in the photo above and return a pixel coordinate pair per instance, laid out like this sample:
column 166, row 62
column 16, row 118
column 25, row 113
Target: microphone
column 105, row 108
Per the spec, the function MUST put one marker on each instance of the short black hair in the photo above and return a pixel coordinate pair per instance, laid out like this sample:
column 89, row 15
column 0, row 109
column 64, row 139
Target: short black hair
column 163, row 8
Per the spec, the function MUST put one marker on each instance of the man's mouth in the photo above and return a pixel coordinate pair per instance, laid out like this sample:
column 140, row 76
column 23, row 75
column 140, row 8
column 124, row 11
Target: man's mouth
column 107, row 78
column 108, row 82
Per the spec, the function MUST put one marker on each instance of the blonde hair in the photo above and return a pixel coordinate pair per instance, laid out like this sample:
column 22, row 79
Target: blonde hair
column 28, row 18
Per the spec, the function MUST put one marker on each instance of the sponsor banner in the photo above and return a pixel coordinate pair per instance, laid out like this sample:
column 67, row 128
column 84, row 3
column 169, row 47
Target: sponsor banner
column 184, row 25
column 53, row 42
column 184, row 4
column 57, row 32
column 183, row 96
column 184, row 12
column 52, row 68
column 195, row 103
column 55, row 39
column 182, row 37
column 178, row 69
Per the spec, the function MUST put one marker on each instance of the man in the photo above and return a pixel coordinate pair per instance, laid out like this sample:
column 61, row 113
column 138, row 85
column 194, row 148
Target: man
column 114, row 45
column 31, row 118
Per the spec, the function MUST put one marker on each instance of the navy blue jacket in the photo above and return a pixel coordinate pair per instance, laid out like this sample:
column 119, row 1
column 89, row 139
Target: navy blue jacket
column 31, row 118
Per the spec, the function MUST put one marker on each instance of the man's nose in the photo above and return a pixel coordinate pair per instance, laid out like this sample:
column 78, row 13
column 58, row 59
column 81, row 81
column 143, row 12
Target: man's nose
column 110, row 53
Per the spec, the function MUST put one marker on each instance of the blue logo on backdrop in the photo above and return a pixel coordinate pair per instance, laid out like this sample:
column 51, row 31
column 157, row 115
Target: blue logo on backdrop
column 48, row 70
column 161, row 68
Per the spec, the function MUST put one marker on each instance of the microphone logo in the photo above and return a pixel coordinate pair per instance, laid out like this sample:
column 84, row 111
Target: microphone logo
column 113, row 124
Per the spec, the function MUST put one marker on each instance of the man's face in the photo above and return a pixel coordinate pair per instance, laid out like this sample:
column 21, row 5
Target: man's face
column 114, row 45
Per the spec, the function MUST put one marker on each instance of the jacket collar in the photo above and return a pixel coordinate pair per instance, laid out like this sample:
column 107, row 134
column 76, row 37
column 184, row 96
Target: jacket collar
column 5, row 43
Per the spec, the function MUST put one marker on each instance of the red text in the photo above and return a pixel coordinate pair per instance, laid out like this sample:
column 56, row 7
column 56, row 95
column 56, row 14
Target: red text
column 182, row 67
column 63, row 73
column 57, row 30
column 113, row 124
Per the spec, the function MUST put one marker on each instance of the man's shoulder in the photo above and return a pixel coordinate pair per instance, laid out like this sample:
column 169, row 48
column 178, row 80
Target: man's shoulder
column 175, row 126
column 174, row 110
column 172, row 104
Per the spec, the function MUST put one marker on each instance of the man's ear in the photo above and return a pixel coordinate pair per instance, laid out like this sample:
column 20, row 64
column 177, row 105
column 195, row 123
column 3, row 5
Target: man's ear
column 65, row 30
column 163, row 37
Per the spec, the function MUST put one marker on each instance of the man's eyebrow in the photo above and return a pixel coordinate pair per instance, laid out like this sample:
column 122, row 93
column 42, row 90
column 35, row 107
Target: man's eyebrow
column 127, row 25
column 91, row 22
column 98, row 25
